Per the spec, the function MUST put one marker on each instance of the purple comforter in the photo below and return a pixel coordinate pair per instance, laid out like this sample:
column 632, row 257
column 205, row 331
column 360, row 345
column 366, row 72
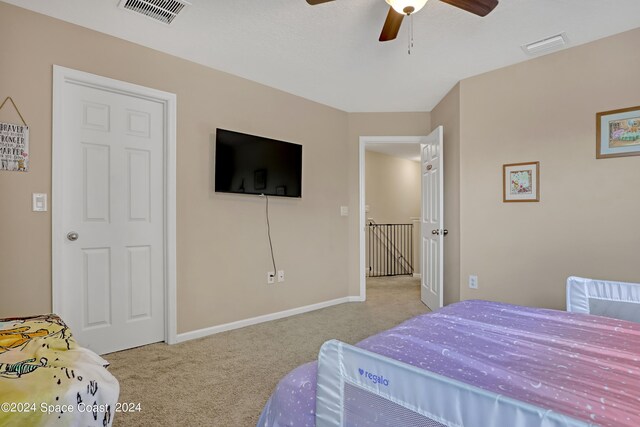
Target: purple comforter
column 587, row 367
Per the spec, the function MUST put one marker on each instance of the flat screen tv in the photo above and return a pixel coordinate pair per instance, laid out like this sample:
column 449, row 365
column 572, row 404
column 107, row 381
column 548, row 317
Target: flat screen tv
column 249, row 164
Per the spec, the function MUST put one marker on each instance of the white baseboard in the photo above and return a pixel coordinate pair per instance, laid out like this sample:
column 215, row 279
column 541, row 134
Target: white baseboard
column 200, row 333
column 417, row 275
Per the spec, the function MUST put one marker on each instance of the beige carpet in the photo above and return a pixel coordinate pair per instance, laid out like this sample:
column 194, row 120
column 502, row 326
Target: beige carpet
column 225, row 379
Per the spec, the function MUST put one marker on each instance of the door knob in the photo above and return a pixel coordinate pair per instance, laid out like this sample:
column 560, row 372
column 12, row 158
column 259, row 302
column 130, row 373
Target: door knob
column 445, row 231
column 72, row 235
column 435, row 231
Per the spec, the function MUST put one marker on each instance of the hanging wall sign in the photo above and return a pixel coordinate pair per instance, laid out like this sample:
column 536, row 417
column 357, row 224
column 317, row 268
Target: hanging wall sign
column 14, row 144
column 14, row 147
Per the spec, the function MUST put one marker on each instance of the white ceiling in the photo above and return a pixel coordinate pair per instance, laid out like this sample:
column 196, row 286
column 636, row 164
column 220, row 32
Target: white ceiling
column 330, row 53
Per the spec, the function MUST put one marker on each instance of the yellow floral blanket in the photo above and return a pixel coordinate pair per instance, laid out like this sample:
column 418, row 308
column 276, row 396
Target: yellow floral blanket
column 46, row 379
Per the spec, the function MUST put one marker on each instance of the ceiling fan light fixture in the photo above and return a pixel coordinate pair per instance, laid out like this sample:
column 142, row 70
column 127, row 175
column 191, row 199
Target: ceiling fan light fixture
column 406, row 7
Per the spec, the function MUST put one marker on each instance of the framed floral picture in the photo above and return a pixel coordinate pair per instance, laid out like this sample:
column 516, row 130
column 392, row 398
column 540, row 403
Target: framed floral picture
column 618, row 133
column 521, row 182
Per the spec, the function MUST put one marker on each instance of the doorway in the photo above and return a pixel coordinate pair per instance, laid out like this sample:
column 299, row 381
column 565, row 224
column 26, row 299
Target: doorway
column 431, row 216
column 392, row 210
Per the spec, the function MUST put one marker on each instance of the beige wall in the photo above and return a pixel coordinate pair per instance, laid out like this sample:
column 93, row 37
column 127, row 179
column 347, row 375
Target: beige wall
column 222, row 248
column 372, row 124
column 447, row 114
column 544, row 109
column 392, row 188
column 221, row 239
column 586, row 222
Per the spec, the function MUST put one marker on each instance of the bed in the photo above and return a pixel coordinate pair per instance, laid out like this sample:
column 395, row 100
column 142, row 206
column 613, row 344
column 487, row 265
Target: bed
column 46, row 379
column 478, row 363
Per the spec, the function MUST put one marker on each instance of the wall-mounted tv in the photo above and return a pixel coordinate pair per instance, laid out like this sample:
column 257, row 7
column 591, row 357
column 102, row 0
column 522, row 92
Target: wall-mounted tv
column 249, row 164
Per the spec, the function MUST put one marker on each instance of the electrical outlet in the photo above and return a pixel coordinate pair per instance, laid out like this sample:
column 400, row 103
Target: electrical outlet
column 280, row 275
column 271, row 278
column 473, row 282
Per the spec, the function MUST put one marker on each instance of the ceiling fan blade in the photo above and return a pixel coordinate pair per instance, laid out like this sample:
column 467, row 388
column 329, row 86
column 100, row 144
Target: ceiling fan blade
column 315, row 2
column 391, row 25
column 478, row 7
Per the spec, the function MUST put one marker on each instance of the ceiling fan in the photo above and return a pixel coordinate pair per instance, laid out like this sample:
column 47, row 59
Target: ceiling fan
column 400, row 8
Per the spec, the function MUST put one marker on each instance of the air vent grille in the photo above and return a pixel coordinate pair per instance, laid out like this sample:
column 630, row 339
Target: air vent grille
column 160, row 10
column 546, row 45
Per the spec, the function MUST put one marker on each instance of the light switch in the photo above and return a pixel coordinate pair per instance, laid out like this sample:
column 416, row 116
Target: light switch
column 39, row 202
column 344, row 210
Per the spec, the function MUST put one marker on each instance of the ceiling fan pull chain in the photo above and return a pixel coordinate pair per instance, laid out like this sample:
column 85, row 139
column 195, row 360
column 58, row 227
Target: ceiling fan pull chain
column 412, row 30
column 409, row 36
column 410, row 33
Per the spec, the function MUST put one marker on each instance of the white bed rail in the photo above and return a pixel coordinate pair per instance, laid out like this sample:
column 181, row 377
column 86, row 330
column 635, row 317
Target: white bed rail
column 619, row 300
column 357, row 387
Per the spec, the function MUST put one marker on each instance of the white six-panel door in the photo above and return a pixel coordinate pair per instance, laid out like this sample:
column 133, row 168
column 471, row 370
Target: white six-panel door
column 111, row 219
column 432, row 230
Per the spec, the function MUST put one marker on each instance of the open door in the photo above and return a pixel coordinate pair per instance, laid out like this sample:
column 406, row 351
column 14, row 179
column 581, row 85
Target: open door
column 432, row 231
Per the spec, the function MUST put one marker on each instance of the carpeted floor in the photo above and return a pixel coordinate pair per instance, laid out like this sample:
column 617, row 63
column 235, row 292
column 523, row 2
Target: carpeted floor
column 225, row 379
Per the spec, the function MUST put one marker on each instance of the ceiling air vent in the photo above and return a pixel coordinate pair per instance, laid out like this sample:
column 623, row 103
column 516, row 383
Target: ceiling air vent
column 159, row 10
column 546, row 45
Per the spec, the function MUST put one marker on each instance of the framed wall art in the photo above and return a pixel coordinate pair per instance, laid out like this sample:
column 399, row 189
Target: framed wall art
column 521, row 182
column 618, row 133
